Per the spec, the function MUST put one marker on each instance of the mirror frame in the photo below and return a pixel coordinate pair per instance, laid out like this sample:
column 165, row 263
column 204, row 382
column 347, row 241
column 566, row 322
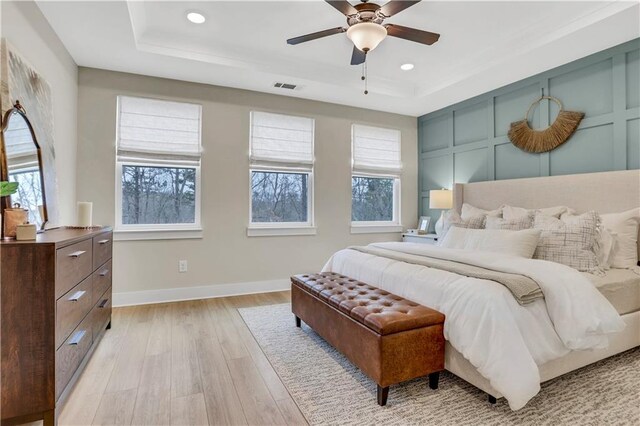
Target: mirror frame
column 5, row 202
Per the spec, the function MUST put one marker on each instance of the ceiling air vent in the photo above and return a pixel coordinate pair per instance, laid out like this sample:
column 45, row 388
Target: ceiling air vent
column 285, row 86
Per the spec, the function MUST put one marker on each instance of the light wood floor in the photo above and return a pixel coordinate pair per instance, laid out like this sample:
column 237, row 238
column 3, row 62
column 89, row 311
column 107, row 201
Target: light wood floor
column 184, row 363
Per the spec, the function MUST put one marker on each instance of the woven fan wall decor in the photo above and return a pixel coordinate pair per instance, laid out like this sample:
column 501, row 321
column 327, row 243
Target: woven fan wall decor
column 530, row 140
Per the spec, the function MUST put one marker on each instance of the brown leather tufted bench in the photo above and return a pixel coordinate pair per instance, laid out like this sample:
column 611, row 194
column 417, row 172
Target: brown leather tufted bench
column 389, row 338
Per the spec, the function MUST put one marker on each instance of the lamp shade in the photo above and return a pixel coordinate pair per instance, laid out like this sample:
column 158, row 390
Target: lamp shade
column 440, row 199
column 366, row 36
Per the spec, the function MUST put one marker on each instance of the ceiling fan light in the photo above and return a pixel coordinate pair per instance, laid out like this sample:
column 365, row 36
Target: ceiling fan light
column 366, row 36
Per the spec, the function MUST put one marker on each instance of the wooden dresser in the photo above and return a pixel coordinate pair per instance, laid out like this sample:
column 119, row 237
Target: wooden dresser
column 56, row 304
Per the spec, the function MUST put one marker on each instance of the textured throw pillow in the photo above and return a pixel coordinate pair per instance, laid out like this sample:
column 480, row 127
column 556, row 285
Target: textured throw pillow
column 513, row 213
column 524, row 222
column 517, row 243
column 624, row 227
column 452, row 218
column 468, row 212
column 605, row 244
column 573, row 244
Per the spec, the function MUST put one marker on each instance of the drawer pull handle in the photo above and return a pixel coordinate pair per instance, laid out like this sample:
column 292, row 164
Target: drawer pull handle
column 104, row 302
column 77, row 337
column 77, row 254
column 104, row 273
column 76, row 296
column 103, row 242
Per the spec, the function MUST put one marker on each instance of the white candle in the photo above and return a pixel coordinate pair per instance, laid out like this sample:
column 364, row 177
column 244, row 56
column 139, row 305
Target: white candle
column 85, row 212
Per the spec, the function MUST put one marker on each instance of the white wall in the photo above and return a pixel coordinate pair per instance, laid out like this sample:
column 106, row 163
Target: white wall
column 27, row 30
column 226, row 255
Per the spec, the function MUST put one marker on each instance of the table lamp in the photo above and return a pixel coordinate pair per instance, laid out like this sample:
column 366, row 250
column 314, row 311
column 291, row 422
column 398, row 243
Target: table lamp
column 440, row 199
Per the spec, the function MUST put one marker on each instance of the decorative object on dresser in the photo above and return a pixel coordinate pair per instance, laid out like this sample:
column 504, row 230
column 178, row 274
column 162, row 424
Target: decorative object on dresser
column 21, row 162
column 84, row 214
column 530, row 140
column 440, row 199
column 389, row 338
column 55, row 305
column 420, row 238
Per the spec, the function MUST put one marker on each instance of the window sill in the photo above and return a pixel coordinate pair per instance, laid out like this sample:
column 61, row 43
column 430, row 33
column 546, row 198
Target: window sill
column 375, row 229
column 157, row 234
column 257, row 231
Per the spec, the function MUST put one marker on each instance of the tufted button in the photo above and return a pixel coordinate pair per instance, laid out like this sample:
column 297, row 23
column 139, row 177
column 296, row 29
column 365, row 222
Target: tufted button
column 403, row 311
column 374, row 298
column 387, row 304
column 364, row 303
column 362, row 292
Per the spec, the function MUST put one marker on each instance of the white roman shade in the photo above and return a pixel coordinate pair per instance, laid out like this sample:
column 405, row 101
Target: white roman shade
column 281, row 141
column 376, row 150
column 156, row 130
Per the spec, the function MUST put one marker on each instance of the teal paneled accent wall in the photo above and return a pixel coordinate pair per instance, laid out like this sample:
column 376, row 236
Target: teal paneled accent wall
column 467, row 142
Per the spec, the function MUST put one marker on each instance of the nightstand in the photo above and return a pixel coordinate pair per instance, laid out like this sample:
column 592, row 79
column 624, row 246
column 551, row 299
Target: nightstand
column 420, row 238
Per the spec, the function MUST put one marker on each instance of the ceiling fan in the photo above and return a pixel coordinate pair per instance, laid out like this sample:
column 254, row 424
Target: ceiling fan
column 366, row 29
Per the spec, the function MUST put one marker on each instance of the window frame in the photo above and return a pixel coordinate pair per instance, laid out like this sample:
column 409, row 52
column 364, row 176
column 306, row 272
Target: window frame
column 159, row 231
column 379, row 226
column 258, row 229
column 282, row 228
column 375, row 226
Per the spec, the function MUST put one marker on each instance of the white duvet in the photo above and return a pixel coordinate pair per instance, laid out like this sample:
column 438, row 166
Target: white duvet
column 504, row 340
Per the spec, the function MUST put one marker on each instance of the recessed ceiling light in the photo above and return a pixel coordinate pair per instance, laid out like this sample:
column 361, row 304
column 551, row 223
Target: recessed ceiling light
column 196, row 18
column 406, row 67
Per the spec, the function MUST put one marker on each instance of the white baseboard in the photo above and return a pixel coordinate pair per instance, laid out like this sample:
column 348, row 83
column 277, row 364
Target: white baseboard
column 146, row 297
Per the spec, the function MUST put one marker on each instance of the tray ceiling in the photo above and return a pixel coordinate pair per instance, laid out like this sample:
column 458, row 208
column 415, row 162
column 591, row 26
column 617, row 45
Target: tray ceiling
column 484, row 45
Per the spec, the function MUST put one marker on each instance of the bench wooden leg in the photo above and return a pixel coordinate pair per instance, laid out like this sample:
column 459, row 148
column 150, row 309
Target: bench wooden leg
column 492, row 399
column 298, row 322
column 383, row 393
column 433, row 380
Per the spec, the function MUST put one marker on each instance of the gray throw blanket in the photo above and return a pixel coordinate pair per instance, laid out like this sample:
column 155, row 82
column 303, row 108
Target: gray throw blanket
column 524, row 289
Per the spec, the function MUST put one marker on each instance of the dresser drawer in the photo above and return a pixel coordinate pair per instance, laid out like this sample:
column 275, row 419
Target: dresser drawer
column 72, row 308
column 101, row 313
column 70, row 354
column 102, row 248
column 73, row 264
column 101, row 281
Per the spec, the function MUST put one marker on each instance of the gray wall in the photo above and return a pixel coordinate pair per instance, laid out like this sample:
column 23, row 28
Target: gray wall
column 225, row 255
column 467, row 142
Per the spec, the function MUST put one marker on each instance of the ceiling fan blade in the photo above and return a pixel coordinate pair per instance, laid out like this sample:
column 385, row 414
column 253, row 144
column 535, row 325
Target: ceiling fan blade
column 394, row 7
column 358, row 56
column 313, row 36
column 343, row 6
column 419, row 36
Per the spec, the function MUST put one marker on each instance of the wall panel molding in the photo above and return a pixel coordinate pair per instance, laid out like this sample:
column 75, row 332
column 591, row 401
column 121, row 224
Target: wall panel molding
column 468, row 141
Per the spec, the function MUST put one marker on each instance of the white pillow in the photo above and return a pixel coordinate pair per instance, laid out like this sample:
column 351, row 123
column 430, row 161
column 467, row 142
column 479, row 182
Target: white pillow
column 469, row 211
column 624, row 227
column 518, row 243
column 515, row 213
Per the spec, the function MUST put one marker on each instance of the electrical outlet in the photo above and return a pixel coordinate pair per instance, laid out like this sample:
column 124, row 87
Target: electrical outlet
column 182, row 266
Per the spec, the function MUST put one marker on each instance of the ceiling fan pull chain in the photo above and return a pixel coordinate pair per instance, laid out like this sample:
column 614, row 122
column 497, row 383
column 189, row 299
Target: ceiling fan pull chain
column 365, row 76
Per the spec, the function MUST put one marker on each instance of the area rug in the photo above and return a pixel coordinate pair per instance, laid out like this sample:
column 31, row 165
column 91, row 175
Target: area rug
column 329, row 390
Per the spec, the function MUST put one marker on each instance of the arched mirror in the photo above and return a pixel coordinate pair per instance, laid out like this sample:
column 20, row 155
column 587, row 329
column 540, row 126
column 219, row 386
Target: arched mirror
column 22, row 163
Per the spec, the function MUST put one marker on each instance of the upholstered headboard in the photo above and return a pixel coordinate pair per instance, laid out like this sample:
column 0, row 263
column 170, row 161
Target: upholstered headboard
column 605, row 192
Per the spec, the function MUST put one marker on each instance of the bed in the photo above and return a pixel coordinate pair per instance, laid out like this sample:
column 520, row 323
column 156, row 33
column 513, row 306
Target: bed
column 508, row 357
column 606, row 192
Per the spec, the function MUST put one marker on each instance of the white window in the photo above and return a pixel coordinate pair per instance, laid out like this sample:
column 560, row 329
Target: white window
column 375, row 179
column 158, row 169
column 281, row 175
